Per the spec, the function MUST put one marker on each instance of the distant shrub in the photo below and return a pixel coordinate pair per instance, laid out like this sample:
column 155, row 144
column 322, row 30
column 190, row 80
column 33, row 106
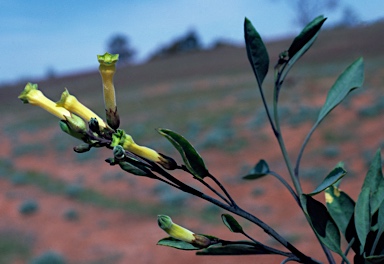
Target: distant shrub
column 258, row 191
column 302, row 115
column 19, row 178
column 28, row 149
column 258, row 120
column 49, row 257
column 73, row 190
column 217, row 137
column 14, row 246
column 371, row 111
column 331, row 151
column 71, row 215
column 28, row 207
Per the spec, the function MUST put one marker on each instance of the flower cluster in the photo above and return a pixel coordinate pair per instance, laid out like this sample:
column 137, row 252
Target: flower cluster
column 74, row 117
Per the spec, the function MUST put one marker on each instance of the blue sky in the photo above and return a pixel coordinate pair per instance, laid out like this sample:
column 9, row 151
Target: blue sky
column 67, row 35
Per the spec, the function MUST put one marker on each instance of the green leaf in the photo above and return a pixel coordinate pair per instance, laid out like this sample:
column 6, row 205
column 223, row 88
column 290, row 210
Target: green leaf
column 307, row 35
column 261, row 169
column 322, row 222
column 363, row 216
column 138, row 169
column 340, row 207
column 380, row 219
column 231, row 223
column 191, row 157
column 256, row 52
column 374, row 259
column 349, row 80
column 234, row 249
column 374, row 180
column 175, row 243
column 302, row 43
column 336, row 174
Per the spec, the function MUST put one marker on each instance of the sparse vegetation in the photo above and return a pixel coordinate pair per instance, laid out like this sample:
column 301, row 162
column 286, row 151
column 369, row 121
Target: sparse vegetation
column 29, row 207
column 49, row 257
column 141, row 105
column 14, row 246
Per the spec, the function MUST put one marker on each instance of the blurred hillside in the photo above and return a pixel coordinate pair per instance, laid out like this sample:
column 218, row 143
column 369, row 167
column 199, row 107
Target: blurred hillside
column 176, row 91
column 53, row 198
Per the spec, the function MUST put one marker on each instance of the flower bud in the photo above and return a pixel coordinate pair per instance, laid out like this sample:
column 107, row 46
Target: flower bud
column 94, row 125
column 82, row 148
column 181, row 233
column 107, row 70
column 118, row 152
column 31, row 95
column 128, row 164
column 71, row 103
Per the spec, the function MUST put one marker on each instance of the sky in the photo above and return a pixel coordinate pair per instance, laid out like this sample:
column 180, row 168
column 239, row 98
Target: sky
column 64, row 36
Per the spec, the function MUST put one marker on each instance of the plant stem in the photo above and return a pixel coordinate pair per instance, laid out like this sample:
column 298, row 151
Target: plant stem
column 294, row 173
column 267, row 109
column 214, row 191
column 267, row 229
column 223, row 189
column 270, row 249
column 238, row 211
column 286, row 184
column 230, row 202
column 306, row 140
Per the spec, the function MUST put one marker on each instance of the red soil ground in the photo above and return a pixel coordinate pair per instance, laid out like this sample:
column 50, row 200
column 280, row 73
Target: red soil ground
column 114, row 236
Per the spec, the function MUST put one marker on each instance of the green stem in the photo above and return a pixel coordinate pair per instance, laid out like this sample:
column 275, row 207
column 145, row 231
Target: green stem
column 233, row 203
column 270, row 249
column 286, row 184
column 294, row 173
column 381, row 229
column 229, row 202
column 214, row 191
column 267, row 229
column 238, row 211
column 279, row 137
column 306, row 140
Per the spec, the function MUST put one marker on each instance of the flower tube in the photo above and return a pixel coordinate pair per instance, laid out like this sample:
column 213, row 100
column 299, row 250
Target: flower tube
column 31, row 95
column 71, row 103
column 181, row 233
column 126, row 141
column 107, row 70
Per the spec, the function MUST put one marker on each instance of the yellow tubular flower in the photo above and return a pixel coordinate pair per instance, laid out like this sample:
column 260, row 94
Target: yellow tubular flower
column 181, row 233
column 107, row 70
column 127, row 142
column 31, row 95
column 71, row 103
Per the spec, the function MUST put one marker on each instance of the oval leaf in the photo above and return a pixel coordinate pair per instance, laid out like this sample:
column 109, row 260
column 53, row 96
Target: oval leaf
column 172, row 242
column 231, row 223
column 349, row 80
column 305, row 36
column 323, row 224
column 374, row 180
column 191, row 157
column 336, row 174
column 340, row 207
column 256, row 52
column 363, row 216
column 138, row 169
column 261, row 169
